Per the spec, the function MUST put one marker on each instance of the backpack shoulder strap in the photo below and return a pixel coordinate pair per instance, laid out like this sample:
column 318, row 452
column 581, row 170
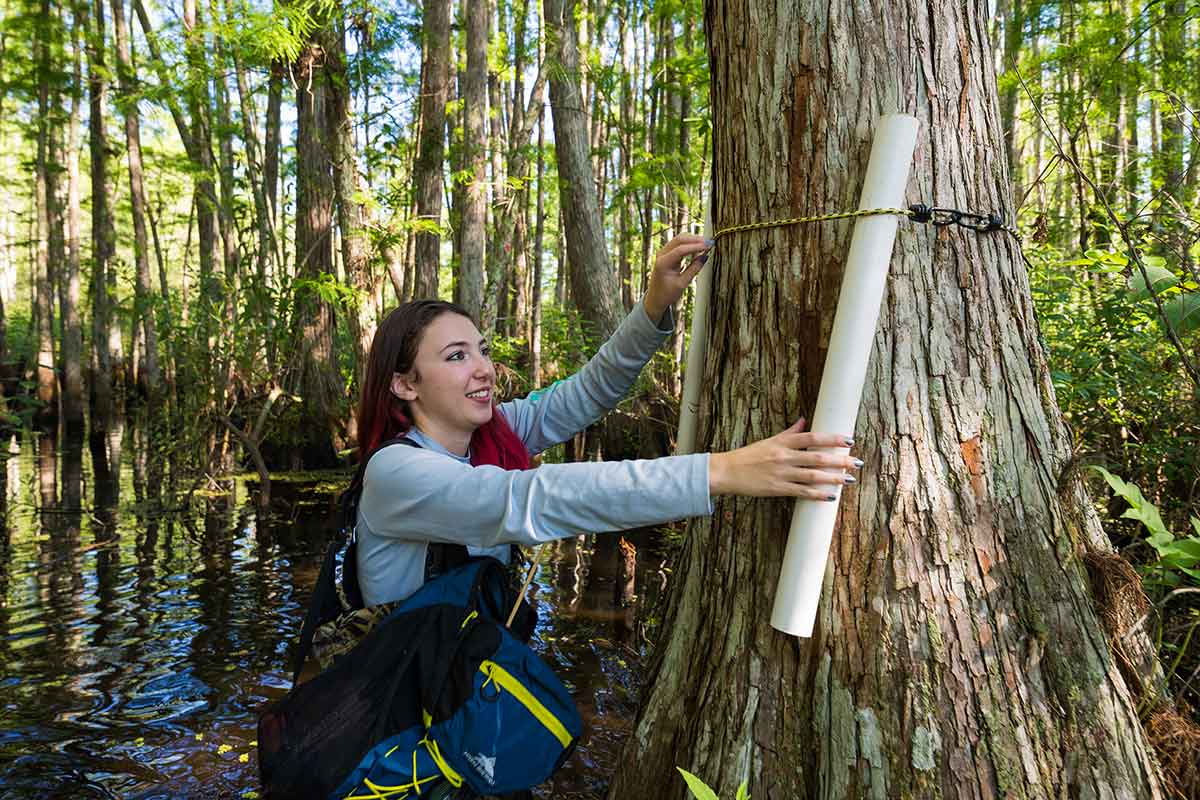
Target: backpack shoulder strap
column 327, row 602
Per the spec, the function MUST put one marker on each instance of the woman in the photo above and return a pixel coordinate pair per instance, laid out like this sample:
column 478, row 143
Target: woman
column 467, row 481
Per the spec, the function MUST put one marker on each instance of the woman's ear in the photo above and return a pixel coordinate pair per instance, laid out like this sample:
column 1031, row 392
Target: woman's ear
column 403, row 387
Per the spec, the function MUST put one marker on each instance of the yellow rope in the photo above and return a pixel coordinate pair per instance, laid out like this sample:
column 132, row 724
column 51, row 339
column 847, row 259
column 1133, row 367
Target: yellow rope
column 866, row 212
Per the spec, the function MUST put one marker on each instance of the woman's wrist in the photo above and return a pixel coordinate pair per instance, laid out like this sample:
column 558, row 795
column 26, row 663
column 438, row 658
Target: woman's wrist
column 718, row 469
column 655, row 308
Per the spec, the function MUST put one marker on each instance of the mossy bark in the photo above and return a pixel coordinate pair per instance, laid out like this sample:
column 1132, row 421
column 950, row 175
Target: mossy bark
column 957, row 652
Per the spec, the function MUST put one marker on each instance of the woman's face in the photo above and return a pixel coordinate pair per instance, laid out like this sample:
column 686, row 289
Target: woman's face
column 450, row 386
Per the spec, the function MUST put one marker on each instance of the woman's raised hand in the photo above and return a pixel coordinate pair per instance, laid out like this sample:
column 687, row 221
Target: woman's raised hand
column 784, row 466
column 670, row 277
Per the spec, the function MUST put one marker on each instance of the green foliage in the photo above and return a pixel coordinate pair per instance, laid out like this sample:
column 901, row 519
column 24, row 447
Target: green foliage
column 329, row 289
column 1177, row 557
column 1114, row 371
column 701, row 791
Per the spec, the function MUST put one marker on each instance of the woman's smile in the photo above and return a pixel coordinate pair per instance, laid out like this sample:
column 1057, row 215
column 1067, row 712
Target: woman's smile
column 453, row 365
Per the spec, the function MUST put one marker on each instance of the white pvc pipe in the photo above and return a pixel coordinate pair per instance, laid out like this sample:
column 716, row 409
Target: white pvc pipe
column 689, row 406
column 845, row 371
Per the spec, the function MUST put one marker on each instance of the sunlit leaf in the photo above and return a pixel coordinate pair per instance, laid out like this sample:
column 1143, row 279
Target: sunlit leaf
column 1183, row 312
column 698, row 787
column 1160, row 278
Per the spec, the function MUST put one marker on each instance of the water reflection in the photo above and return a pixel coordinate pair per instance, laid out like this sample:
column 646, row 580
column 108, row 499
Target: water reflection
column 137, row 645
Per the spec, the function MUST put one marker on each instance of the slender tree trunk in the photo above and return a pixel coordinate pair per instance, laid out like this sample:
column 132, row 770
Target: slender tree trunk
column 102, row 405
column 46, row 201
column 271, row 145
column 259, row 188
column 469, row 287
column 352, row 215
column 1014, row 25
column 72, row 332
column 318, row 381
column 624, row 173
column 144, row 300
column 593, row 281
column 271, row 150
column 427, row 172
column 207, row 203
column 535, row 333
column 957, row 651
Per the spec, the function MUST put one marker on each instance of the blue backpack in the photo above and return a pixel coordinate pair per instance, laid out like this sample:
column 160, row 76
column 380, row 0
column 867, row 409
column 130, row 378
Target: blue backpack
column 439, row 689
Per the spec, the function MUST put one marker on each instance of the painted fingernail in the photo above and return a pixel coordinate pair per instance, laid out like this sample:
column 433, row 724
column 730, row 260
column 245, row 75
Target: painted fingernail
column 831, row 497
column 858, row 463
column 709, row 242
column 849, row 442
column 849, row 479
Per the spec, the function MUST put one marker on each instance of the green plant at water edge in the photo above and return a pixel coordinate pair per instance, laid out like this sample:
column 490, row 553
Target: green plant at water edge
column 1178, row 556
column 701, row 791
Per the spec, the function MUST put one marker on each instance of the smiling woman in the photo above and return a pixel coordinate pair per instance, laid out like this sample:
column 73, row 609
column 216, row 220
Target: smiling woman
column 464, row 485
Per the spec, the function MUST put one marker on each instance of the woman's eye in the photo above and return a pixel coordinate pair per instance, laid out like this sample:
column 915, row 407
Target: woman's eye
column 487, row 352
column 457, row 355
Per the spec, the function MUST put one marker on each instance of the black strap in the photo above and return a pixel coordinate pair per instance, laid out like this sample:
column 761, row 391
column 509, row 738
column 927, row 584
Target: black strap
column 325, row 604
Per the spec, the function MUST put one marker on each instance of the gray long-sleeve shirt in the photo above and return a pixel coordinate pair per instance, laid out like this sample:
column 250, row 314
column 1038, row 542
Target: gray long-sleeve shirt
column 415, row 496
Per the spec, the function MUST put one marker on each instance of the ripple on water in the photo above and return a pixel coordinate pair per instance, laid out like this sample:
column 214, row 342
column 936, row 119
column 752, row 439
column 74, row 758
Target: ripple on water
column 134, row 670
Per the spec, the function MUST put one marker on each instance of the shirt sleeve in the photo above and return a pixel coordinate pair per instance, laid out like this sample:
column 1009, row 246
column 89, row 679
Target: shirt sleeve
column 420, row 495
column 556, row 413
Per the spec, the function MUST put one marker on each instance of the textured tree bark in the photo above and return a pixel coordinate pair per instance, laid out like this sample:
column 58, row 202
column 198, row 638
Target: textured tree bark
column 957, row 652
column 513, row 196
column 143, row 289
column 317, row 379
column 427, row 171
column 352, row 214
column 72, row 330
column 46, row 201
column 535, row 322
column 200, row 152
column 101, row 408
column 469, row 286
column 593, row 280
column 271, row 152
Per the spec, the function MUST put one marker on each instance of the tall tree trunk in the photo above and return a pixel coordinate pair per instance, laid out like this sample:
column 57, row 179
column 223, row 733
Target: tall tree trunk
column 271, row 146
column 352, row 215
column 144, row 297
column 469, row 287
column 535, row 325
column 317, row 381
column 48, row 219
column 259, row 188
column 427, row 172
column 957, row 651
column 72, row 332
column 102, row 407
column 625, row 164
column 200, row 136
column 593, row 281
column 231, row 257
column 271, row 150
column 1014, row 25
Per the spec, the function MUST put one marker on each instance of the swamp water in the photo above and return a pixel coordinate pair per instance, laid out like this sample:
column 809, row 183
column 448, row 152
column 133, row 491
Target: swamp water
column 136, row 648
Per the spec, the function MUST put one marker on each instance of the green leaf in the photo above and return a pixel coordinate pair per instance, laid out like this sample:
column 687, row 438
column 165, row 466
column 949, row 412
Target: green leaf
column 698, row 787
column 743, row 792
column 1183, row 312
column 1196, row 525
column 1188, row 548
column 1160, row 278
column 1127, row 490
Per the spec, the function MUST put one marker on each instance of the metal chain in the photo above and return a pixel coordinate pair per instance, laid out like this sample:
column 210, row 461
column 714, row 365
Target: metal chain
column 939, row 217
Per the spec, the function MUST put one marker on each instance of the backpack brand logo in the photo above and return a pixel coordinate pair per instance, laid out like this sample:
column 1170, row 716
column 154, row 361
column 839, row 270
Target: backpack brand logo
column 484, row 765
